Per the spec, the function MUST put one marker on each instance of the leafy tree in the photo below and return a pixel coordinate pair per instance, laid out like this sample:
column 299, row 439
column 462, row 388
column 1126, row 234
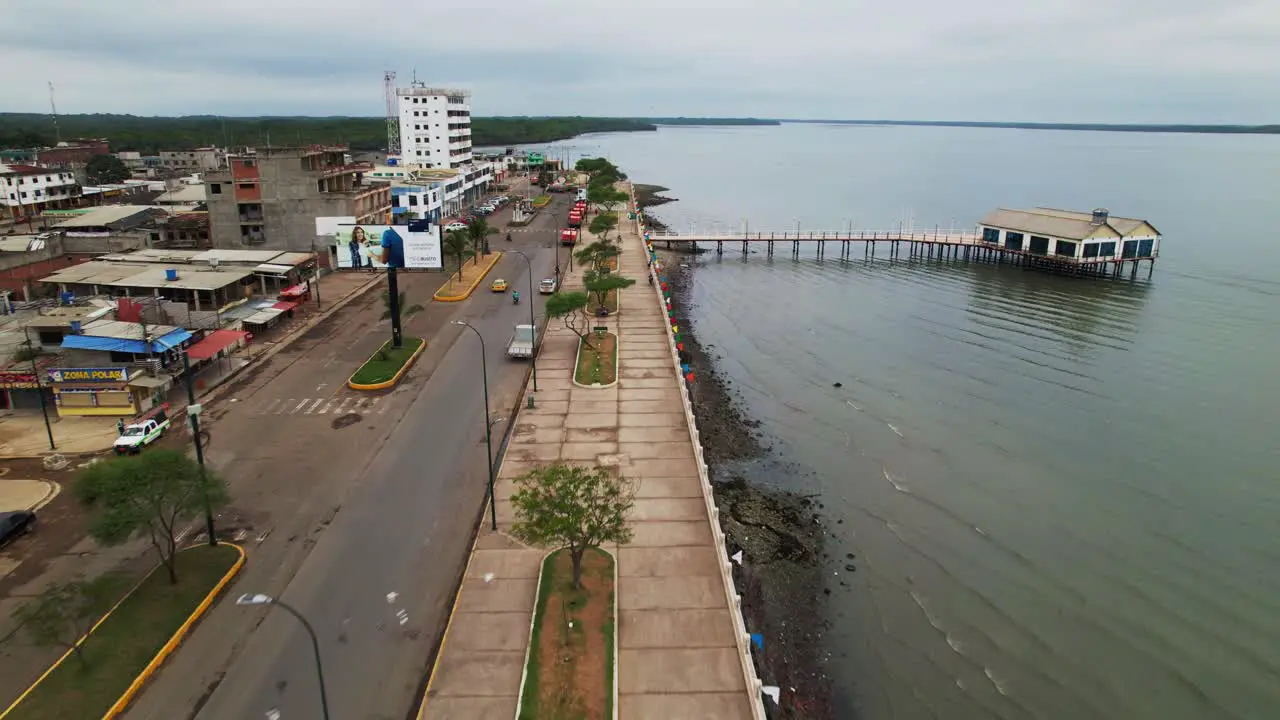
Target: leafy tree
column 148, row 495
column 457, row 245
column 597, row 254
column 600, row 169
column 574, row 508
column 479, row 231
column 62, row 614
column 106, row 169
column 405, row 310
column 600, row 284
column 602, row 224
column 571, row 309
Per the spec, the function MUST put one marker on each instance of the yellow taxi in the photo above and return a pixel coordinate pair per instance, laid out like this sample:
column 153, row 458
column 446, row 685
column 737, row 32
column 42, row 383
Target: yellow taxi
column 499, row 285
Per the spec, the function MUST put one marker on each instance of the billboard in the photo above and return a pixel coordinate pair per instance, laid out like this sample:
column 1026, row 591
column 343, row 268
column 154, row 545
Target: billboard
column 110, row 375
column 415, row 246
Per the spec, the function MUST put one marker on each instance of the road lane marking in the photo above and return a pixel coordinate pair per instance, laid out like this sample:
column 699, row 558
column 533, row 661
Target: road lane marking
column 313, row 407
column 304, row 402
column 342, row 408
column 270, row 406
column 327, row 407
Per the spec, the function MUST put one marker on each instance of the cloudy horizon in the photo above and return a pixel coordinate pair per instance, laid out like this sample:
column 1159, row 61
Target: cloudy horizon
column 1119, row 61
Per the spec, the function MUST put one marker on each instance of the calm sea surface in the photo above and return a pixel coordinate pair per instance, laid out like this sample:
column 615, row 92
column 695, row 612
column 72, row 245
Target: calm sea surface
column 1064, row 495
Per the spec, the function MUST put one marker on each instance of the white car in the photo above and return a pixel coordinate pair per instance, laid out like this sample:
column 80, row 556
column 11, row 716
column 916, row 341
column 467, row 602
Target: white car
column 547, row 286
column 455, row 226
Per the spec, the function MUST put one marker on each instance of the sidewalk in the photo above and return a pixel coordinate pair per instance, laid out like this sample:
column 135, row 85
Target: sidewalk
column 677, row 652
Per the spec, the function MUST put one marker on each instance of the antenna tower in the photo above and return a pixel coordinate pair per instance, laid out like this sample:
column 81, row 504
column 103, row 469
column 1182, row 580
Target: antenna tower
column 393, row 120
column 57, row 134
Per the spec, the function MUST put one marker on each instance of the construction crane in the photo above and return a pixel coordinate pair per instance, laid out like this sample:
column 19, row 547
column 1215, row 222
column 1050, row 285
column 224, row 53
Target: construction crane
column 57, row 134
column 393, row 119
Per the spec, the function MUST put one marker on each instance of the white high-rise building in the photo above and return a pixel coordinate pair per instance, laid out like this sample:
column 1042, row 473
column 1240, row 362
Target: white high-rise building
column 435, row 126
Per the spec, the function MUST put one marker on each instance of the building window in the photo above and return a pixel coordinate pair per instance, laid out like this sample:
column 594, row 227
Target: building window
column 415, row 113
column 245, row 186
column 1145, row 247
column 248, row 163
column 395, row 201
column 215, row 188
column 1013, row 241
column 990, row 235
column 1038, row 245
column 1064, row 248
column 1107, row 249
column 413, row 200
column 1091, row 250
column 1128, row 250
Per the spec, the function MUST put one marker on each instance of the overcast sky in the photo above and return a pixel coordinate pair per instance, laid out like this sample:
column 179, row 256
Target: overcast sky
column 1034, row 60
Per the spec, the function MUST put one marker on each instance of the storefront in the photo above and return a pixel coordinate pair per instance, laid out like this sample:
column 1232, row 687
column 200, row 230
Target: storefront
column 96, row 391
column 19, row 391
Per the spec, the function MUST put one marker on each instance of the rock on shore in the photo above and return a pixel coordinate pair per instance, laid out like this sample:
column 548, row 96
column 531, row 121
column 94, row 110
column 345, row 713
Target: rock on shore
column 781, row 534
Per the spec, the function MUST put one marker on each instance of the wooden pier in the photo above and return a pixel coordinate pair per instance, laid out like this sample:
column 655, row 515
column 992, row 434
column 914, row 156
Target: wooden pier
column 894, row 245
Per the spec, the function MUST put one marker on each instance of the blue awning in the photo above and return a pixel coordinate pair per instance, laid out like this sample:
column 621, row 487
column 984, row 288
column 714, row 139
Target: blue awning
column 137, row 347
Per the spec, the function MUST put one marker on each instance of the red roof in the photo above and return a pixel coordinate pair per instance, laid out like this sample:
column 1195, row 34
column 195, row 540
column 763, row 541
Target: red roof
column 285, row 305
column 215, row 342
column 27, row 170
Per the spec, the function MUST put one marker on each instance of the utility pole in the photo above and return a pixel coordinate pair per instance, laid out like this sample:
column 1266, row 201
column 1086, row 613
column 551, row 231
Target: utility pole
column 193, row 412
column 44, row 407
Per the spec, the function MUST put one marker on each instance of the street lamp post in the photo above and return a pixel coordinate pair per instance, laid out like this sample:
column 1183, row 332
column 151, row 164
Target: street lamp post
column 194, row 413
column 35, row 372
column 259, row 599
column 533, row 359
column 488, row 428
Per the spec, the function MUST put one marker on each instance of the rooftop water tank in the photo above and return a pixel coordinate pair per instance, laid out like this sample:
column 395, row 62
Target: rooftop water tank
column 1100, row 216
column 170, row 274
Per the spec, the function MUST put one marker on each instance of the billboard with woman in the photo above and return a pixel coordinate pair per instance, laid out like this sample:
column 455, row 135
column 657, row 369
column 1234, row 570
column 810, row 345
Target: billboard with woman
column 377, row 246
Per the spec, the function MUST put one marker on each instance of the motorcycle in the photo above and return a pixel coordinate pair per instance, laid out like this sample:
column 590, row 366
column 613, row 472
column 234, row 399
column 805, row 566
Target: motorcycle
column 508, row 237
column 515, row 297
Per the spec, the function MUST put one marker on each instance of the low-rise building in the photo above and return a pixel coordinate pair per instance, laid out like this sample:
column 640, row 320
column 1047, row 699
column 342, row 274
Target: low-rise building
column 197, row 159
column 27, row 190
column 110, row 228
column 24, row 259
column 73, row 154
column 269, row 198
column 1069, row 236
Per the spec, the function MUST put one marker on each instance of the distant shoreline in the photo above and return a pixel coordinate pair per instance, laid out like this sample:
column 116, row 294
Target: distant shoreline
column 1088, row 127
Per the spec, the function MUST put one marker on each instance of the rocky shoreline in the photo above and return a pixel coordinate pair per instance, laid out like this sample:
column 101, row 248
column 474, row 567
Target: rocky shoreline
column 781, row 535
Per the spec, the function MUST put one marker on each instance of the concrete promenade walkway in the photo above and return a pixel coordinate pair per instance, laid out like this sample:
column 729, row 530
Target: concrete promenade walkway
column 677, row 654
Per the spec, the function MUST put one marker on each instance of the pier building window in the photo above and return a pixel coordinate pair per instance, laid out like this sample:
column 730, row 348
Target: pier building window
column 1091, row 250
column 1013, row 241
column 1129, row 250
column 1062, row 247
column 991, row 235
column 1039, row 245
column 1145, row 247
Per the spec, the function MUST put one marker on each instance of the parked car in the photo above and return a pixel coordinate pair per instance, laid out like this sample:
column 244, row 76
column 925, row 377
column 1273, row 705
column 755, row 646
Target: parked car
column 455, row 225
column 547, row 286
column 521, row 343
column 483, row 210
column 14, row 525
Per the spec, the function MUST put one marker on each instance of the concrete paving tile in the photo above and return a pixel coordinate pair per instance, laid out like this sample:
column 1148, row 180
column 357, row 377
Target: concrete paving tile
column 655, row 363
column 539, row 421
column 649, row 382
column 476, row 674
column 716, row 670
column 698, row 591
column 669, row 628
column 548, row 407
column 625, row 372
column 545, row 393
column 649, row 406
column 554, row 365
column 675, row 533
column 594, row 394
column 470, row 708
column 584, row 452
column 634, row 562
column 658, row 509
column 682, row 706
column 686, row 487
column 534, row 452
column 578, row 435
column 655, row 353
column 505, row 563
column 499, row 595
column 665, row 467
column 592, row 420
column 535, row 435
column 592, row 406
column 664, row 419
column 670, row 434
column 658, row 394
column 490, row 631
column 657, row 450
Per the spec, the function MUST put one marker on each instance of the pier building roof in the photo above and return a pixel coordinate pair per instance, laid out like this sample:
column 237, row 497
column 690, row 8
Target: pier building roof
column 1068, row 224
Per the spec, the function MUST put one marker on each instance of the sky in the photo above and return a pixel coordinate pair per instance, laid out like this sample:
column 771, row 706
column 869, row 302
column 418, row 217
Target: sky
column 1171, row 61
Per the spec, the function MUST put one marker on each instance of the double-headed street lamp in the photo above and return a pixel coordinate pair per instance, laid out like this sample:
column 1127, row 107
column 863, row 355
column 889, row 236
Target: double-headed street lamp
column 260, row 599
column 488, row 427
column 533, row 325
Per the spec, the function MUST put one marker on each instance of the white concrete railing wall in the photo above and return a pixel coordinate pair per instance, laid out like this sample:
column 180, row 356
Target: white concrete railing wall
column 741, row 636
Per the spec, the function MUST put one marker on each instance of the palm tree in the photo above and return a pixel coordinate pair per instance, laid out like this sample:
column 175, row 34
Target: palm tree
column 405, row 311
column 479, row 232
column 457, row 246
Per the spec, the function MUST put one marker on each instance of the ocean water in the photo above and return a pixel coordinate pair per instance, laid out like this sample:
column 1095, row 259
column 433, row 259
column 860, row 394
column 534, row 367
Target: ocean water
column 1064, row 494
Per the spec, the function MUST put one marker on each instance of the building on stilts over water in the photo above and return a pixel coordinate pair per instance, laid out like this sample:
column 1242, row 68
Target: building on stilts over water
column 1096, row 243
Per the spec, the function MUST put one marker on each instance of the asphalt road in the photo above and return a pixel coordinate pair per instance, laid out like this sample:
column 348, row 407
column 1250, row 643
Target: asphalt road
column 356, row 510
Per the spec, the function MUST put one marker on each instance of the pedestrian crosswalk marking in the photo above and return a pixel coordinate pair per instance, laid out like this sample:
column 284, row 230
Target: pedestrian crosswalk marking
column 332, row 405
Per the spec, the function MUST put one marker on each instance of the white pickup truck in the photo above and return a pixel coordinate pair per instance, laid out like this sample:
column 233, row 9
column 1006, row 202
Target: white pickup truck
column 521, row 345
column 143, row 431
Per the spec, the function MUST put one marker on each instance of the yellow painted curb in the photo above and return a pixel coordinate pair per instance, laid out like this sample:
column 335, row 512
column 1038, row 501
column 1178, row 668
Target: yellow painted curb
column 396, row 378
column 475, row 284
column 178, row 637
column 158, row 659
column 617, row 358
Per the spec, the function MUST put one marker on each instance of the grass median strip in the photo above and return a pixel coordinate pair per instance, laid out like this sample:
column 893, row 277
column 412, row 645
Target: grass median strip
column 597, row 359
column 386, row 362
column 570, row 667
column 541, row 201
column 122, row 646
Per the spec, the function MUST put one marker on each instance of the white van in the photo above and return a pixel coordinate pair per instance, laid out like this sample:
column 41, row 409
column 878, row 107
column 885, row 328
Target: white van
column 582, row 194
